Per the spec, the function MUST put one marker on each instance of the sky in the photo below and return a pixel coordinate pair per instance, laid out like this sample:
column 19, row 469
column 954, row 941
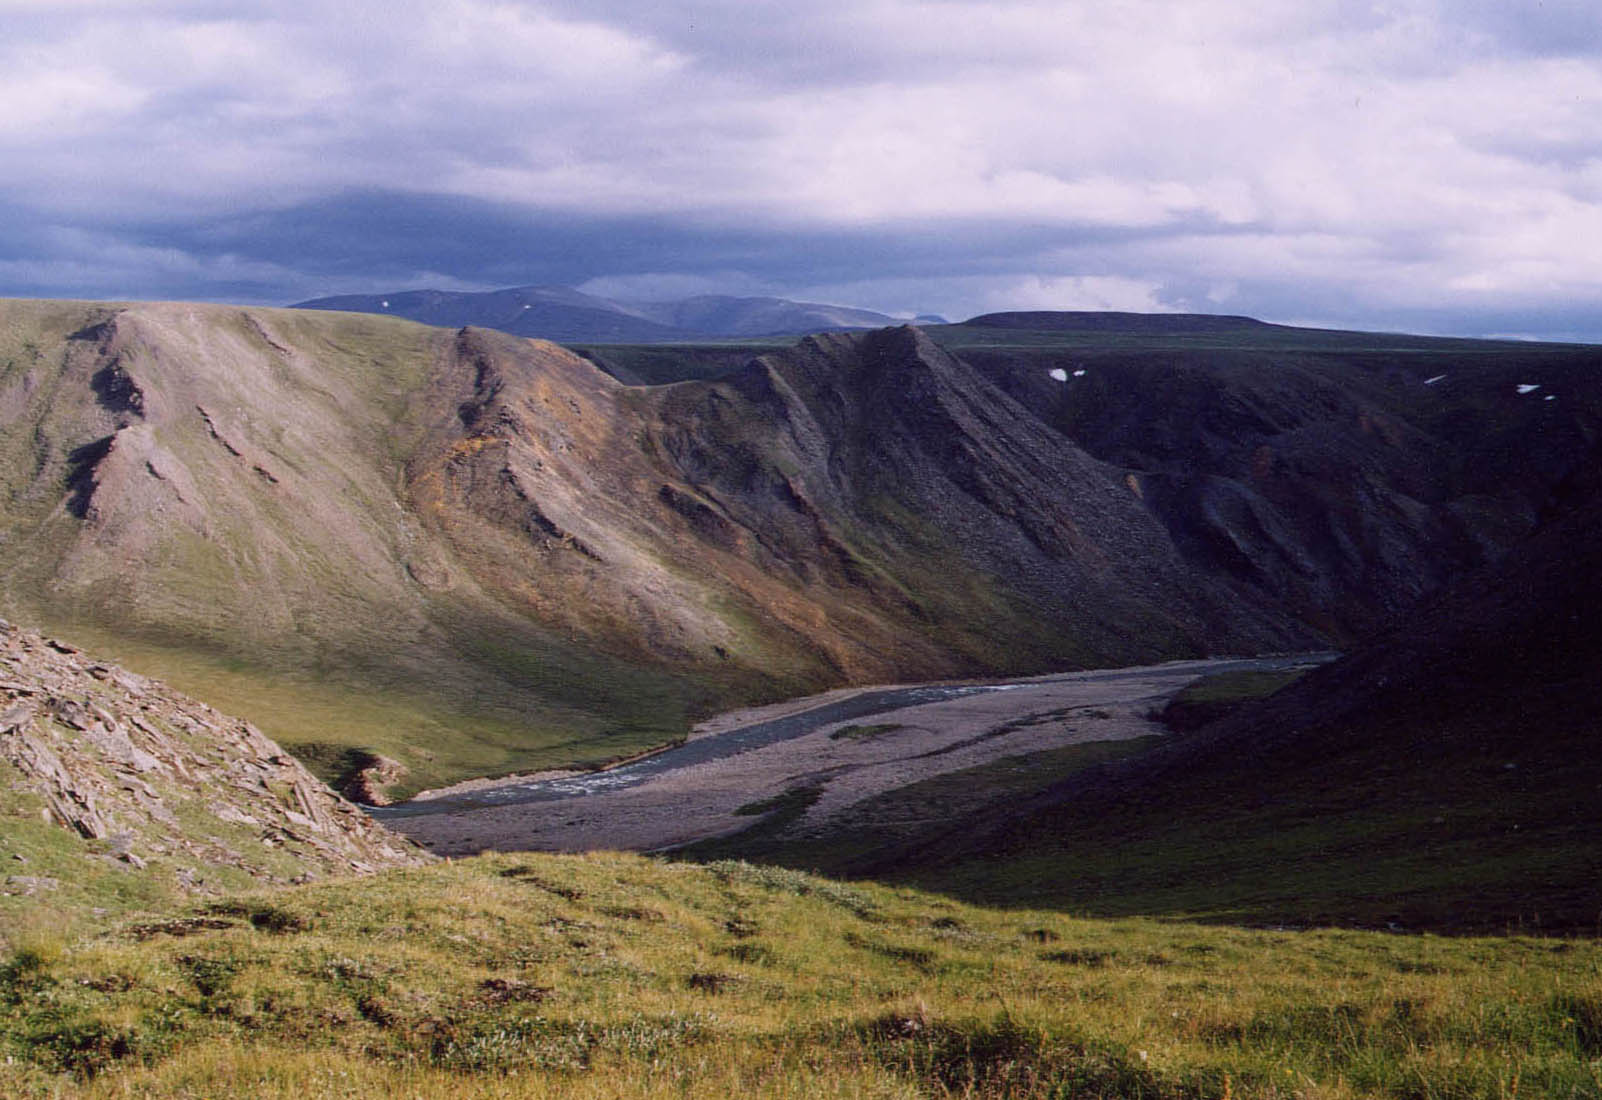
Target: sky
column 1420, row 165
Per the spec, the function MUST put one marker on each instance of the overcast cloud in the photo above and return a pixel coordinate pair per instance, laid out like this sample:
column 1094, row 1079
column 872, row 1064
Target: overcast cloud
column 1435, row 166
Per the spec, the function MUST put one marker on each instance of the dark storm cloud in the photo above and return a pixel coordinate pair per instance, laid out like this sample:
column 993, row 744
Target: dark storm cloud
column 354, row 235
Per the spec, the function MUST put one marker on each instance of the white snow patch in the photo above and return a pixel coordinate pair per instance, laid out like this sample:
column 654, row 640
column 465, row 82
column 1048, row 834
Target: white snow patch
column 1080, row 373
column 1550, row 397
column 1437, row 378
column 1059, row 374
column 1528, row 387
column 385, row 303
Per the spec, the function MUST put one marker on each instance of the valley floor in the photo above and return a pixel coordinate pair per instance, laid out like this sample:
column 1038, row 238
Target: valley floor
column 806, row 762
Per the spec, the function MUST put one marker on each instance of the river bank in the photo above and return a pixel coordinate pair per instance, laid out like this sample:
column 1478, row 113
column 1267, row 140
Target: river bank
column 695, row 791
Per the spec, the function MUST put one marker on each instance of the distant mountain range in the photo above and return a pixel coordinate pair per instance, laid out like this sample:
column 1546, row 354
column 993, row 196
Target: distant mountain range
column 564, row 314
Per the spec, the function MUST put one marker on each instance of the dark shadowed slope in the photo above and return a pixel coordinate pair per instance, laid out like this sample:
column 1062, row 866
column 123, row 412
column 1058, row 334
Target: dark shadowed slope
column 1445, row 775
column 1342, row 484
column 1337, row 476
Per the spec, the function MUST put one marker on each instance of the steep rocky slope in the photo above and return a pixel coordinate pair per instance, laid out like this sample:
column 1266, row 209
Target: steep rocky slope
column 1343, row 482
column 857, row 508
column 890, row 469
column 117, row 789
column 390, row 539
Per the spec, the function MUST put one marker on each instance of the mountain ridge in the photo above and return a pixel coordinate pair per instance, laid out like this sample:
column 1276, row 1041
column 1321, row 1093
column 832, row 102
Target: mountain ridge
column 565, row 314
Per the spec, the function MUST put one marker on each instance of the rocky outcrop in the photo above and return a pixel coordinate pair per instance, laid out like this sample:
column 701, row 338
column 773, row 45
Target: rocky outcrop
column 368, row 781
column 154, row 779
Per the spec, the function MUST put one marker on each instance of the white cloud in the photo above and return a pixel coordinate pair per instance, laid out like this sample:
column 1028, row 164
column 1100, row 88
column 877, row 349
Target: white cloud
column 1434, row 152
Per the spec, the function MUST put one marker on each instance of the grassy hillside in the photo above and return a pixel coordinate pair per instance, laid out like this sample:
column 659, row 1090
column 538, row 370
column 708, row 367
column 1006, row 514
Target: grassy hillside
column 609, row 976
column 218, row 497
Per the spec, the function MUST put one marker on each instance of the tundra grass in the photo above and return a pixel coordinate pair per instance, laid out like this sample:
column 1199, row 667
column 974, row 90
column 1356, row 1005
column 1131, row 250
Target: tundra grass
column 618, row 976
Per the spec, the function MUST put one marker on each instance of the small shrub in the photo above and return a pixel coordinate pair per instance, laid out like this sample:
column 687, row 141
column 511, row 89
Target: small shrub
column 1582, row 1018
column 183, row 926
column 650, row 1037
column 267, row 918
column 1002, row 1058
column 499, row 991
column 710, row 983
column 374, row 1009
column 211, row 976
column 82, row 1047
column 29, row 964
column 1080, row 957
column 749, row 953
column 498, row 1045
column 631, row 912
column 920, row 957
column 524, row 873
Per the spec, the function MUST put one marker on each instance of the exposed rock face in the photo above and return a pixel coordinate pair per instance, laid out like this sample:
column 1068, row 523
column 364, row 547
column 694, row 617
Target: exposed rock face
column 154, row 777
column 885, row 468
column 370, row 782
column 862, row 507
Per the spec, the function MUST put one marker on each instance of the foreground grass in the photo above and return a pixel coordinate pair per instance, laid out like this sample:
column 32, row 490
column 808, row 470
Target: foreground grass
column 618, row 976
